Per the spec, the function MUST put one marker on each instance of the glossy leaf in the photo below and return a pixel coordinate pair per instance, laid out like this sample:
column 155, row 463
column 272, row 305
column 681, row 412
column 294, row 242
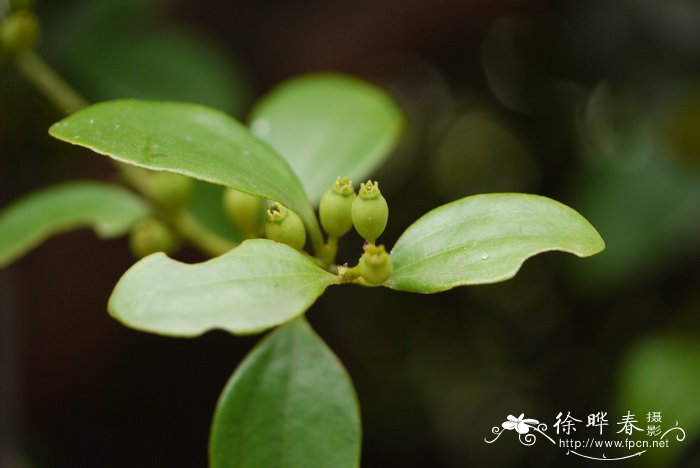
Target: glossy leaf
column 108, row 209
column 485, row 239
column 329, row 125
column 290, row 404
column 258, row 285
column 188, row 139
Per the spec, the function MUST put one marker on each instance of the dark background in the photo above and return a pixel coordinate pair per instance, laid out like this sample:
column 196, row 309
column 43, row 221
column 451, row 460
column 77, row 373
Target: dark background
column 591, row 102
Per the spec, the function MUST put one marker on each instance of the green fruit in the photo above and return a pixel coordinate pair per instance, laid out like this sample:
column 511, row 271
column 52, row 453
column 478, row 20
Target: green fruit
column 19, row 32
column 170, row 190
column 149, row 236
column 375, row 264
column 284, row 225
column 335, row 208
column 244, row 210
column 370, row 211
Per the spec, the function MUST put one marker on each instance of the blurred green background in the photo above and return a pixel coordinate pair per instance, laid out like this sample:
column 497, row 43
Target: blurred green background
column 591, row 102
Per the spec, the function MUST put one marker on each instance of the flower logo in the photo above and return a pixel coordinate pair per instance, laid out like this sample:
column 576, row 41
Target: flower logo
column 522, row 426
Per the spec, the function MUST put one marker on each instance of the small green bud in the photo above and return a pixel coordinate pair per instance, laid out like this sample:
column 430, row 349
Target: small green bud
column 19, row 32
column 370, row 211
column 335, row 208
column 244, row 210
column 149, row 236
column 375, row 264
column 284, row 225
column 170, row 190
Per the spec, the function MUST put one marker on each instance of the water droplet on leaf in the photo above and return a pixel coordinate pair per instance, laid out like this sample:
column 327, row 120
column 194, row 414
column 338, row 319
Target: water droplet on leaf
column 260, row 127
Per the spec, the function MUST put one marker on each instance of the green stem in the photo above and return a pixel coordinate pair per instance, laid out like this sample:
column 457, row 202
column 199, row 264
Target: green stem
column 316, row 237
column 361, row 281
column 206, row 240
column 45, row 78
column 329, row 250
column 332, row 244
column 137, row 177
column 67, row 100
column 320, row 262
column 352, row 275
column 349, row 274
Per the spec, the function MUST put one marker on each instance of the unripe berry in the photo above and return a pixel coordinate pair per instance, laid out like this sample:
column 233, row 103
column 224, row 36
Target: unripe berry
column 284, row 225
column 170, row 190
column 370, row 211
column 375, row 264
column 18, row 32
column 335, row 208
column 149, row 236
column 244, row 210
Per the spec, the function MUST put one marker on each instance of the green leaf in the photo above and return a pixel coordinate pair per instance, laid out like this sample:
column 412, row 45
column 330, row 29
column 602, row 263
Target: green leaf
column 632, row 177
column 206, row 205
column 289, row 404
column 626, row 206
column 26, row 223
column 258, row 285
column 329, row 125
column 188, row 139
column 174, row 65
column 485, row 239
column 660, row 374
column 111, row 49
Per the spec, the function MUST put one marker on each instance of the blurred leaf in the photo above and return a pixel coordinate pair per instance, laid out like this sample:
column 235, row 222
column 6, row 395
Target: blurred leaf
column 79, row 20
column 108, row 209
column 329, row 125
column 206, row 205
column 477, row 154
column 290, row 403
column 648, row 217
column 661, row 375
column 680, row 127
column 523, row 64
column 641, row 199
column 113, row 49
column 616, row 129
column 485, row 239
column 176, row 66
column 253, row 287
column 507, row 55
column 188, row 139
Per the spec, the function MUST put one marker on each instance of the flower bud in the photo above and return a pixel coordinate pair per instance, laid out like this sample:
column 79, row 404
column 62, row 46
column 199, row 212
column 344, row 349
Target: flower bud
column 284, row 225
column 244, row 210
column 375, row 264
column 170, row 190
column 370, row 211
column 149, row 236
column 19, row 32
column 335, row 208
